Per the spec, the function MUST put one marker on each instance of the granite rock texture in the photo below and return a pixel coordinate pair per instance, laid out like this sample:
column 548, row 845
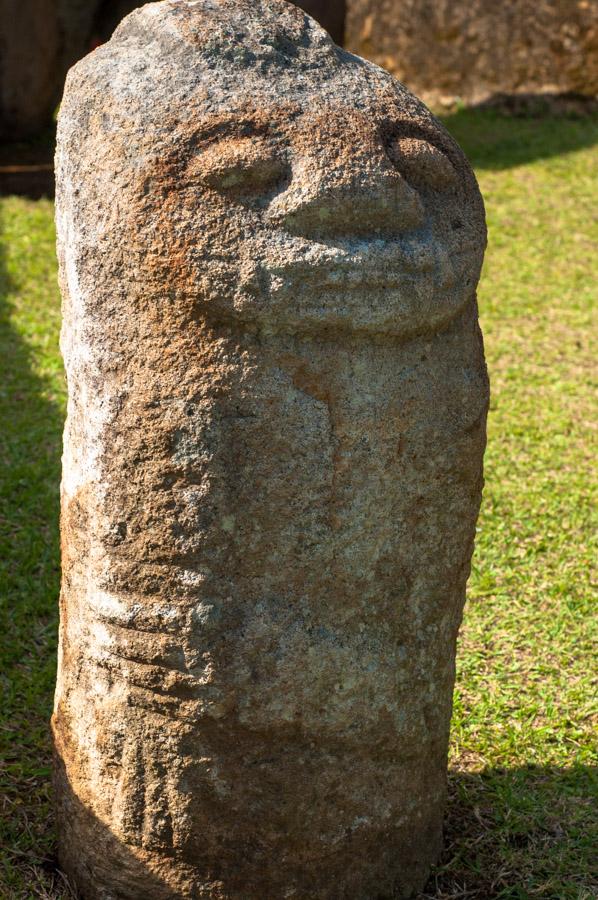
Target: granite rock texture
column 474, row 49
column 269, row 253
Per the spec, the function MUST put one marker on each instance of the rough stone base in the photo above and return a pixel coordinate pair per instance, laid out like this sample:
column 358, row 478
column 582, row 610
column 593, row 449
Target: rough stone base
column 389, row 864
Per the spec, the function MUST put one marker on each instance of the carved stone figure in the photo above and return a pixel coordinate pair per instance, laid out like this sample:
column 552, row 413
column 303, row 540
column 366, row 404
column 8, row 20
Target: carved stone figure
column 269, row 253
column 475, row 49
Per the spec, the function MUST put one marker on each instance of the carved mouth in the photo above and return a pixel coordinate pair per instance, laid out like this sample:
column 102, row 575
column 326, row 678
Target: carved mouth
column 372, row 264
column 395, row 287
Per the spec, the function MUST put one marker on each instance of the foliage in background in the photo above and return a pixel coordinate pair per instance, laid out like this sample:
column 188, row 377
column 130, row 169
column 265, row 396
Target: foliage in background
column 521, row 823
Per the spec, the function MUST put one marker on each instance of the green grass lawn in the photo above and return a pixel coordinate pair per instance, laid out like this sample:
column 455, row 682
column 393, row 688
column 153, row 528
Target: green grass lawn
column 523, row 757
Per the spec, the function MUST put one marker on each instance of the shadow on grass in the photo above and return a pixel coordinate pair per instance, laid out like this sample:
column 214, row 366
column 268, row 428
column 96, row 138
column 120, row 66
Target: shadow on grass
column 499, row 138
column 519, row 833
column 30, row 441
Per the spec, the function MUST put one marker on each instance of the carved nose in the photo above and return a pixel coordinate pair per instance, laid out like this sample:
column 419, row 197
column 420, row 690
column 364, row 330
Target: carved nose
column 335, row 204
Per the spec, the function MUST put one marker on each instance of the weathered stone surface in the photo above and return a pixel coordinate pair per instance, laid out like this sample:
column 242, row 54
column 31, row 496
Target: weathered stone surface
column 474, row 49
column 329, row 13
column 272, row 466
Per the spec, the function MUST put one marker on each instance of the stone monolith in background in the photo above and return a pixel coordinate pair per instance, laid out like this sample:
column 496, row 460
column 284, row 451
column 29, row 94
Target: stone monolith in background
column 269, row 253
column 474, row 49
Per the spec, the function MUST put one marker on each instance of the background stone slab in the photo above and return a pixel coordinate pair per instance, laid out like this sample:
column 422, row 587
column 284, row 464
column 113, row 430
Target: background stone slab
column 474, row 49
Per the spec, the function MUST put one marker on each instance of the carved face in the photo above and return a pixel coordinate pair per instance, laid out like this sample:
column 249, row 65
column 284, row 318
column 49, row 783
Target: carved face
column 326, row 220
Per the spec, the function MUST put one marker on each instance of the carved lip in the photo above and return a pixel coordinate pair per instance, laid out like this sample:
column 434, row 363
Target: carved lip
column 375, row 263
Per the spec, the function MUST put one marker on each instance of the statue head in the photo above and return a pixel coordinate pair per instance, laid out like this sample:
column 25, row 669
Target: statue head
column 272, row 179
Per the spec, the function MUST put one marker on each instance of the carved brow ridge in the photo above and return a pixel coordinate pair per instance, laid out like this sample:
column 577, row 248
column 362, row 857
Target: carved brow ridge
column 235, row 126
column 389, row 130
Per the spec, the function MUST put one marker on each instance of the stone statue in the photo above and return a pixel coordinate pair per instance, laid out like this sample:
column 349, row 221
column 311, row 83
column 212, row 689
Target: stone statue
column 269, row 252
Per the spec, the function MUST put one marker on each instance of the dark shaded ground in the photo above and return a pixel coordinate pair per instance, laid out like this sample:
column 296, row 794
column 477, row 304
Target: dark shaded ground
column 27, row 167
column 545, row 126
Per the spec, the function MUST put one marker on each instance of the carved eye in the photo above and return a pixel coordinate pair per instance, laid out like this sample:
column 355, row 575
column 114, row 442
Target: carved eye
column 239, row 164
column 422, row 163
